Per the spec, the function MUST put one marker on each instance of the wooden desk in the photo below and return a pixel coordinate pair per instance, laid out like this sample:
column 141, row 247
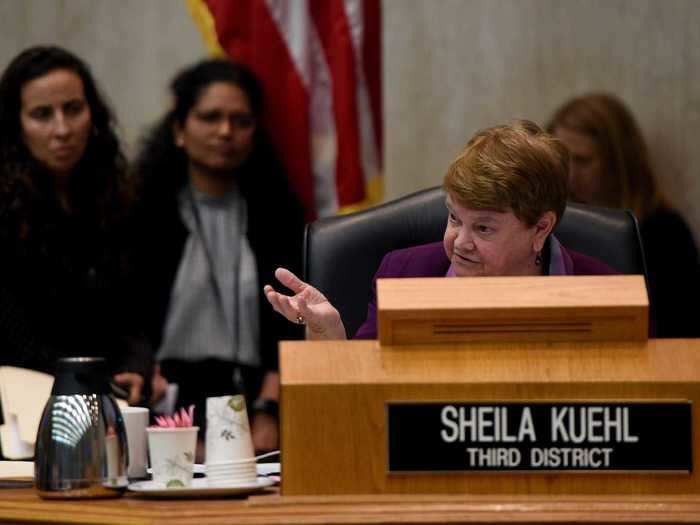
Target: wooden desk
column 23, row 505
column 334, row 397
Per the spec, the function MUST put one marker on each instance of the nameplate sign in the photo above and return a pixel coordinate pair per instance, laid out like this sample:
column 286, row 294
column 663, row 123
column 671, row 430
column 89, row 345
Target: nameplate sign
column 540, row 436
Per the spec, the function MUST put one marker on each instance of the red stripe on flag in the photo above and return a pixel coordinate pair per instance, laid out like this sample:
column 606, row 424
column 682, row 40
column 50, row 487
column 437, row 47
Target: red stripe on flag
column 372, row 60
column 334, row 33
column 249, row 35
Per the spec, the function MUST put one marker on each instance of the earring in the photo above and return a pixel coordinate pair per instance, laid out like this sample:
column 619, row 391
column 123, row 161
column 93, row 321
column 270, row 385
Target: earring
column 538, row 259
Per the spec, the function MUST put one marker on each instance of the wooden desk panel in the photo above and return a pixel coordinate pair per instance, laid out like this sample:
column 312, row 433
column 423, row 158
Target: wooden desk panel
column 334, row 397
column 24, row 506
column 553, row 308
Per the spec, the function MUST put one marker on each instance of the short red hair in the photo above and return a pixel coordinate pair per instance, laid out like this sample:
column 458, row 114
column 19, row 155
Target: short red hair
column 516, row 167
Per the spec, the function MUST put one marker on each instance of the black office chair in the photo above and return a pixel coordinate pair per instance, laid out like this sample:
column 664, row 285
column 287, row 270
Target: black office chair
column 341, row 254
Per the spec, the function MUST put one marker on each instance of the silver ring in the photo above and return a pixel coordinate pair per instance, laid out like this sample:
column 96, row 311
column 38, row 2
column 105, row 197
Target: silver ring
column 300, row 319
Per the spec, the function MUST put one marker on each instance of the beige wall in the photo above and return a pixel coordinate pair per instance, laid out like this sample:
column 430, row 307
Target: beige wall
column 133, row 46
column 454, row 66
column 451, row 67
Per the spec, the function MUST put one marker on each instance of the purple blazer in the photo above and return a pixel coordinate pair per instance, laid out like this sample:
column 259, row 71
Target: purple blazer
column 430, row 260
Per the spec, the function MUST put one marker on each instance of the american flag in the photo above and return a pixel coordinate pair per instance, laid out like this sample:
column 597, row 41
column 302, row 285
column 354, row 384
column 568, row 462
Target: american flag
column 320, row 64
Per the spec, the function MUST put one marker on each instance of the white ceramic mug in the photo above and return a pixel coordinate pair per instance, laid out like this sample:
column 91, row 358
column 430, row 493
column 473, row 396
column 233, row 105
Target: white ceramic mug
column 136, row 422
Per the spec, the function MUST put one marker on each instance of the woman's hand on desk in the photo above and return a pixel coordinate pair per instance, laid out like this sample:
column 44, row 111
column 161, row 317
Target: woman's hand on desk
column 133, row 383
column 159, row 385
column 307, row 306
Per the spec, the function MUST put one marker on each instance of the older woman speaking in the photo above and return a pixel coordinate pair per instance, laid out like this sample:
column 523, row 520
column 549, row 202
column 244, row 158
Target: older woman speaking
column 505, row 194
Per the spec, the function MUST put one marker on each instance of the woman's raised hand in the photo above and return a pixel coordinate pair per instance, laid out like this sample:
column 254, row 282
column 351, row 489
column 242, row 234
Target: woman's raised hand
column 307, row 306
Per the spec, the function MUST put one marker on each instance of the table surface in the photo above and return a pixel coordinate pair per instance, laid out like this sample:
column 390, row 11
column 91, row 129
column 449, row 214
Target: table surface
column 24, row 505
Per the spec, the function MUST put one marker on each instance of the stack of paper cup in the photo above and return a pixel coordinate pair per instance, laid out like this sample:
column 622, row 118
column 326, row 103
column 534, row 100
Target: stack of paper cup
column 230, row 457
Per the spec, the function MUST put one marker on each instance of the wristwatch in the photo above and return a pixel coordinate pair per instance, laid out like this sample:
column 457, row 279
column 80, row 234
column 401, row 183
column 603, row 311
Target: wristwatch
column 266, row 406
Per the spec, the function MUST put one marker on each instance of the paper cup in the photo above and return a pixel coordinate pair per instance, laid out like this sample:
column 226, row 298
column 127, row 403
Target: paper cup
column 136, row 422
column 227, row 471
column 235, row 472
column 112, row 455
column 228, row 431
column 246, row 478
column 234, row 462
column 172, row 455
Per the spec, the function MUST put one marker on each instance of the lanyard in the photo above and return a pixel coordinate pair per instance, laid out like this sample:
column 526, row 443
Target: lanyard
column 218, row 293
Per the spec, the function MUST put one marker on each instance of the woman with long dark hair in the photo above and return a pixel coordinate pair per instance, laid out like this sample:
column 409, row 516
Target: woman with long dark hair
column 215, row 218
column 63, row 196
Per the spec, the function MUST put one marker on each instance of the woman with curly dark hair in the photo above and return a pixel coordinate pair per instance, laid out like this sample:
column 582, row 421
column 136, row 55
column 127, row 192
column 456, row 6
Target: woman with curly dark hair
column 215, row 218
column 63, row 196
